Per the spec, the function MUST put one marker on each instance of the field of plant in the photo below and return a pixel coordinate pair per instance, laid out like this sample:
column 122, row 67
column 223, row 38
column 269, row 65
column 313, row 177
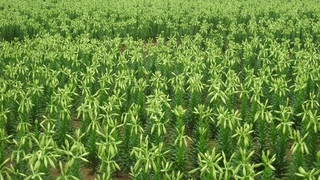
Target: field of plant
column 159, row 89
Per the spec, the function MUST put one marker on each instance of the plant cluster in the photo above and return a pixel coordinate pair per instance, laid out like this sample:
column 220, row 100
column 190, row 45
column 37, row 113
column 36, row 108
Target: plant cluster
column 159, row 89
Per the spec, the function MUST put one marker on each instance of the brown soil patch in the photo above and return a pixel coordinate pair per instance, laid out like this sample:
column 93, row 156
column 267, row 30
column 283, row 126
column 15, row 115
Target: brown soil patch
column 55, row 172
column 122, row 48
column 76, row 124
column 86, row 173
column 212, row 144
column 122, row 176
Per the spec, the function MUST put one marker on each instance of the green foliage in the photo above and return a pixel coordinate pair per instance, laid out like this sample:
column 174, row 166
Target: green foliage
column 159, row 89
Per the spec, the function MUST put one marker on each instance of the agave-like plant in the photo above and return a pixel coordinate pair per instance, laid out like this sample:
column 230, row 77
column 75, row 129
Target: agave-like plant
column 267, row 161
column 208, row 165
column 180, row 141
column 41, row 159
column 228, row 167
column 177, row 82
column 60, row 62
column 243, row 135
column 299, row 149
column 310, row 124
column 148, row 160
column 227, row 122
column 310, row 175
column 232, row 85
column 245, row 169
column 107, row 150
column 75, row 153
column 166, row 167
column 202, row 131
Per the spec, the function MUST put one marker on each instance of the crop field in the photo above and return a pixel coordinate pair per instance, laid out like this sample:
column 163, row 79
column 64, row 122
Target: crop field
column 159, row 89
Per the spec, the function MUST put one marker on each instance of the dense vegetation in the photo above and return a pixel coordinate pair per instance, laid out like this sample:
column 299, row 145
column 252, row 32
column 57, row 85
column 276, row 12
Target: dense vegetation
column 159, row 89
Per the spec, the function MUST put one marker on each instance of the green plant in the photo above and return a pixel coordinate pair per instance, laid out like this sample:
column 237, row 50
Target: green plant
column 267, row 161
column 208, row 165
column 180, row 141
column 245, row 169
column 227, row 121
column 84, row 83
column 75, row 153
column 107, row 150
column 148, row 160
column 299, row 149
column 308, row 174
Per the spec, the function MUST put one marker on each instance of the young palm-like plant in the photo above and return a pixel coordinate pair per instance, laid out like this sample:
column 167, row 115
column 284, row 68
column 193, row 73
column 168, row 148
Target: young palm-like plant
column 46, row 155
column 148, row 160
column 256, row 94
column 65, row 172
column 232, row 85
column 159, row 82
column 4, row 111
column 283, row 131
column 108, row 149
column 310, row 175
column 35, row 91
column 124, row 85
column 180, row 141
column 263, row 118
column 227, row 121
column 157, row 106
column 160, row 158
column 61, row 109
column 177, row 82
column 22, row 145
column 4, row 140
column 299, row 91
column 202, row 130
column 25, row 106
column 34, row 174
column 268, row 171
column 132, row 121
column 245, row 169
column 228, row 168
column 208, row 165
column 310, row 124
column 279, row 87
column 195, row 88
column 75, row 153
column 17, row 166
column 244, row 96
column 89, row 110
column 166, row 167
column 243, row 135
column 299, row 149
column 131, row 134
column 139, row 97
column 216, row 92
